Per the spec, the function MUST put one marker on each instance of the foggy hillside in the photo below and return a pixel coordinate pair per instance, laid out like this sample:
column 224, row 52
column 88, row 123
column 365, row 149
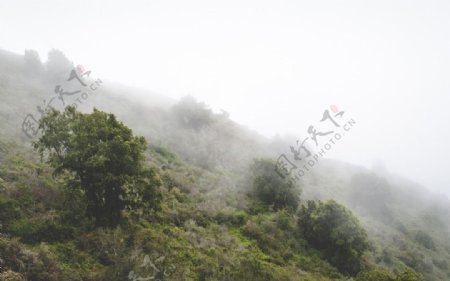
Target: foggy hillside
column 215, row 222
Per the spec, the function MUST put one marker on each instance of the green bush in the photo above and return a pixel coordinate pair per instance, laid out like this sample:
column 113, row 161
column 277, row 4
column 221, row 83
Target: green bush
column 31, row 231
column 333, row 229
column 31, row 265
column 105, row 159
column 408, row 275
column 9, row 210
column 252, row 269
column 425, row 240
column 272, row 189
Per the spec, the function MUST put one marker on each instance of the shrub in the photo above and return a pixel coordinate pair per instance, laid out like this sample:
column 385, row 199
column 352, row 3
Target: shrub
column 105, row 159
column 333, row 229
column 34, row 231
column 11, row 276
column 425, row 240
column 9, row 210
column 272, row 189
column 408, row 275
column 31, row 265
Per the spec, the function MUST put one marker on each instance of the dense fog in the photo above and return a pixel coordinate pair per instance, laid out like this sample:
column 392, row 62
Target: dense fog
column 273, row 66
column 253, row 111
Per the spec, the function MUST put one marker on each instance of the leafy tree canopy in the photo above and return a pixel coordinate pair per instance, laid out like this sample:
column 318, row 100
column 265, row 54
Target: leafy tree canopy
column 272, row 189
column 333, row 229
column 104, row 159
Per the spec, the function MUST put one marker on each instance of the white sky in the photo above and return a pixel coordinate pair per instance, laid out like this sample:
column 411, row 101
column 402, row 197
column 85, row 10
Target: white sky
column 273, row 65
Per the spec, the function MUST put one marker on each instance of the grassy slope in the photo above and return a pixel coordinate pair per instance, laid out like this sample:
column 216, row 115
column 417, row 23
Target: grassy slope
column 204, row 229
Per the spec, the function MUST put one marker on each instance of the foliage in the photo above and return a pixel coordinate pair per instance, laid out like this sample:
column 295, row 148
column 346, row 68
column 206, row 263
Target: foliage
column 9, row 210
column 11, row 276
column 408, row 275
column 371, row 195
column 192, row 114
column 382, row 275
column 334, row 230
column 21, row 262
column 207, row 228
column 375, row 275
column 105, row 159
column 425, row 239
column 41, row 229
column 272, row 189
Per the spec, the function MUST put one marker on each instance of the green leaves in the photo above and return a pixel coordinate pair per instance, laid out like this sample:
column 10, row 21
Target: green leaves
column 271, row 189
column 382, row 275
column 105, row 159
column 375, row 275
column 334, row 230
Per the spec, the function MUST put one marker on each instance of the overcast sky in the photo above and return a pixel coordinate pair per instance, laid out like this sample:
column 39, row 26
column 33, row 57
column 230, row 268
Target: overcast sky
column 275, row 66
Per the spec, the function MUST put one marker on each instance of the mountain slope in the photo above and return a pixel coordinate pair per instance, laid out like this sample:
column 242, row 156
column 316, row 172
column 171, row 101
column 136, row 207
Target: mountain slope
column 210, row 227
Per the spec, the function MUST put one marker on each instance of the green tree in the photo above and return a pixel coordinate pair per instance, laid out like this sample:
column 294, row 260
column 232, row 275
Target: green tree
column 333, row 229
column 272, row 189
column 104, row 160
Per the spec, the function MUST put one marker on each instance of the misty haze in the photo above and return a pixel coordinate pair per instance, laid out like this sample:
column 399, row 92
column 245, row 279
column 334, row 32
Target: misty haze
column 224, row 140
